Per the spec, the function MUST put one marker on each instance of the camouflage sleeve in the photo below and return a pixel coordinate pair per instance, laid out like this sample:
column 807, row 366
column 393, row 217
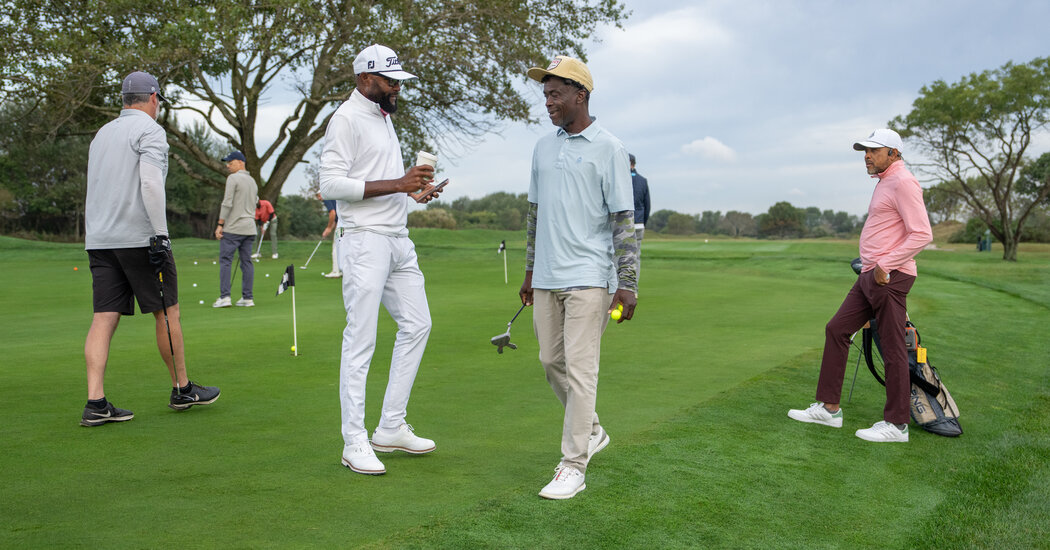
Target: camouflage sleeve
column 530, row 237
column 626, row 247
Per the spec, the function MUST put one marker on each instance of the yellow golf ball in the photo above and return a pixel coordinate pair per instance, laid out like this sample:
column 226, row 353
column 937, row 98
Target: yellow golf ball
column 293, row 348
column 615, row 315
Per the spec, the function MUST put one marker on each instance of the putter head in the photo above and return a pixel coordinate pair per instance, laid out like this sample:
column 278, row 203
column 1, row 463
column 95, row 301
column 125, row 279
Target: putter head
column 501, row 341
column 302, row 267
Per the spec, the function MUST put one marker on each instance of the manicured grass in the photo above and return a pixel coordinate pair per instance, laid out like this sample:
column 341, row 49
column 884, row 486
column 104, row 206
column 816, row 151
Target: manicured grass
column 694, row 393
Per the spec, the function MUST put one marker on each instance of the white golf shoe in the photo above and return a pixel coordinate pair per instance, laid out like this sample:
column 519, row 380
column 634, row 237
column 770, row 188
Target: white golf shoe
column 222, row 302
column 817, row 414
column 359, row 457
column 597, row 442
column 401, row 439
column 567, row 482
column 884, row 432
column 275, row 256
column 333, row 274
column 245, row 303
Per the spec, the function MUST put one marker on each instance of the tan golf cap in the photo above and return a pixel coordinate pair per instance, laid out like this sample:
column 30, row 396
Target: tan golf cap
column 564, row 66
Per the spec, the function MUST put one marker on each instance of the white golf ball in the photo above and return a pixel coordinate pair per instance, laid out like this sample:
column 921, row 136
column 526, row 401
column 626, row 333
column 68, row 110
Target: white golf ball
column 267, row 274
column 194, row 263
column 322, row 273
column 213, row 263
column 202, row 302
column 194, row 284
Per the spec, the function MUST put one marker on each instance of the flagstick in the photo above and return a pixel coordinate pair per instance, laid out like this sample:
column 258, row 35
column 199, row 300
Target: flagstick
column 295, row 332
column 504, row 267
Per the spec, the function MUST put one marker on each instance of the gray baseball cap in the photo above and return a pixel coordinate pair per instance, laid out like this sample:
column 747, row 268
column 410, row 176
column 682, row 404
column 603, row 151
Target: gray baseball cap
column 139, row 82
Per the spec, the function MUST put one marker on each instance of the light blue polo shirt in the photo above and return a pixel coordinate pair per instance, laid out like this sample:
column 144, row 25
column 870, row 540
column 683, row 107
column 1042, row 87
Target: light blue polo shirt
column 577, row 181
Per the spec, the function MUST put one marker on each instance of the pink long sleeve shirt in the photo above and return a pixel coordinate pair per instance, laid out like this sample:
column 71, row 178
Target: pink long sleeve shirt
column 897, row 227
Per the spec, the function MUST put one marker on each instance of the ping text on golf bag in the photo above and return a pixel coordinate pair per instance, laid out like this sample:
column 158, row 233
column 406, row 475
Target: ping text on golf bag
column 932, row 406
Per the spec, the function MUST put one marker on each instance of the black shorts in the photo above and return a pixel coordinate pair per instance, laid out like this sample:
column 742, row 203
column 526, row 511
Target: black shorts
column 120, row 275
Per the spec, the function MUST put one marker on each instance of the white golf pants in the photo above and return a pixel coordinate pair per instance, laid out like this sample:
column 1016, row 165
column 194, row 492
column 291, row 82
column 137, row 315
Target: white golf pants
column 379, row 269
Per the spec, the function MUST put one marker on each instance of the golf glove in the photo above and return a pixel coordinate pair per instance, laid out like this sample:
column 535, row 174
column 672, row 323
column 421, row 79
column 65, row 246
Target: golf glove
column 159, row 246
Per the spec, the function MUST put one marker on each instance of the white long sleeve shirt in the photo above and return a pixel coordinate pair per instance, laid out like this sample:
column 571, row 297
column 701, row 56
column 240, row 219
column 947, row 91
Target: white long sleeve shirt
column 361, row 146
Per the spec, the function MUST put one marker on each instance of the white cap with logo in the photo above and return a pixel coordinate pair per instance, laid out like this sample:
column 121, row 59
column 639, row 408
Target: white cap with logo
column 883, row 137
column 382, row 60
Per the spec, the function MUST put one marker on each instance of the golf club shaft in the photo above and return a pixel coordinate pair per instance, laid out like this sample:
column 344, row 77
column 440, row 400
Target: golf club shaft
column 516, row 315
column 262, row 236
column 312, row 253
column 855, row 370
column 167, row 327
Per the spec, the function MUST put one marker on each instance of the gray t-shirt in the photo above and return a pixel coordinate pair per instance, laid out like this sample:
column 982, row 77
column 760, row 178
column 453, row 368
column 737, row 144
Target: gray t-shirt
column 238, row 204
column 115, row 213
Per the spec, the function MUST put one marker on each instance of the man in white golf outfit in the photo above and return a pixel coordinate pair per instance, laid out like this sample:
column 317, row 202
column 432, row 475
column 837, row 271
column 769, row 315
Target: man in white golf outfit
column 363, row 170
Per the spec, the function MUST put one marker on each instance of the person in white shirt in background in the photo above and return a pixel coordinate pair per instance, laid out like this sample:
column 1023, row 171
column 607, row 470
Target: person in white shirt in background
column 363, row 170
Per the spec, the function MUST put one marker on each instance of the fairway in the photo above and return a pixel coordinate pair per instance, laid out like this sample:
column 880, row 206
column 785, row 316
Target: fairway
column 693, row 392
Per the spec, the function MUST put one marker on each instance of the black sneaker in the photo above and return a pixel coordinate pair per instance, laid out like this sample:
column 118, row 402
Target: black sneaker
column 98, row 417
column 198, row 395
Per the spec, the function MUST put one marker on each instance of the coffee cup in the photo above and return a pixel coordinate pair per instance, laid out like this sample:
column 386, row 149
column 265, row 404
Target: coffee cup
column 424, row 157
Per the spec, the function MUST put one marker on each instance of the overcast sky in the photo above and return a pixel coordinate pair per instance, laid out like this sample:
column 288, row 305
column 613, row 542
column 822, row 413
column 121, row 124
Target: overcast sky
column 739, row 104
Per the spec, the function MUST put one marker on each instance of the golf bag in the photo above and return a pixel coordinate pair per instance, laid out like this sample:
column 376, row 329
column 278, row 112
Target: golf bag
column 932, row 406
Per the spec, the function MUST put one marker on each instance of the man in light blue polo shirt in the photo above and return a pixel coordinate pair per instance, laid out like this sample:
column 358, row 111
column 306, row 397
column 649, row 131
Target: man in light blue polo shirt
column 580, row 258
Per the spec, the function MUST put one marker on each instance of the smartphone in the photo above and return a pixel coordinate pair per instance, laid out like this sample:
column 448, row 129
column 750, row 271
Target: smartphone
column 431, row 191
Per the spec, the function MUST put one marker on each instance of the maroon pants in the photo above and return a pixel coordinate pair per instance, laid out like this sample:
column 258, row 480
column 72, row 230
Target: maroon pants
column 888, row 306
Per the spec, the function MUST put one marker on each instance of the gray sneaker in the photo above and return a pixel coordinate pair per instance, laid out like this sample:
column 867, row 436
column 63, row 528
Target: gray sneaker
column 198, row 395
column 98, row 417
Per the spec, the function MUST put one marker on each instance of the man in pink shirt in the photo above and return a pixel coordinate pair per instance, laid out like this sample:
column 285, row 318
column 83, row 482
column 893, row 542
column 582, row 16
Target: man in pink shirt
column 896, row 230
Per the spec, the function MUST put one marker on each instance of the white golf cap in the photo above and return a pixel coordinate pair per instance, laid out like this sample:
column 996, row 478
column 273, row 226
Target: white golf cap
column 883, row 137
column 382, row 60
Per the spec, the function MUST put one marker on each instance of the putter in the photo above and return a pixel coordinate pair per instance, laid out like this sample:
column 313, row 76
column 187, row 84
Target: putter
column 312, row 254
column 503, row 340
column 167, row 326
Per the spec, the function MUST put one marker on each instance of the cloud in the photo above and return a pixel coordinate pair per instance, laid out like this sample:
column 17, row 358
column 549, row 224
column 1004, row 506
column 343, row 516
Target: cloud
column 710, row 148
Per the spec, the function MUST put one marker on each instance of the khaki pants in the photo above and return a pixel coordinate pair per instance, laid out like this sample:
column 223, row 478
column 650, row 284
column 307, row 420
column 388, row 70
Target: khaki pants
column 569, row 327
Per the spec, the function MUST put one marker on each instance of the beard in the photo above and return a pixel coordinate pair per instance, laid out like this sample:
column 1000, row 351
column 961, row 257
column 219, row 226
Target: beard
column 388, row 103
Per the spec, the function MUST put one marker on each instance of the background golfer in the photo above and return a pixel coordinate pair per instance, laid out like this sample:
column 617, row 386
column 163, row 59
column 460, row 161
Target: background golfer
column 362, row 169
column 897, row 228
column 124, row 210
column 236, row 230
column 580, row 250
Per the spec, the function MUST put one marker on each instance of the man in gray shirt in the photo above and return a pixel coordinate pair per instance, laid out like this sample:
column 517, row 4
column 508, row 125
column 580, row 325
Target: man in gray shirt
column 126, row 238
column 236, row 230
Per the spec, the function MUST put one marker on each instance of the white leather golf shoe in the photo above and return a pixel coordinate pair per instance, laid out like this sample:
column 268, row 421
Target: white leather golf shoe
column 401, row 439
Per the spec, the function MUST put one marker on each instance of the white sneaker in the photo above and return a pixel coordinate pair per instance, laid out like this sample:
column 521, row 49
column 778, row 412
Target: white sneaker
column 333, row 274
column 401, row 439
column 567, row 483
column 817, row 414
column 245, row 303
column 222, row 302
column 254, row 256
column 597, row 442
column 274, row 256
column 359, row 457
column 884, row 432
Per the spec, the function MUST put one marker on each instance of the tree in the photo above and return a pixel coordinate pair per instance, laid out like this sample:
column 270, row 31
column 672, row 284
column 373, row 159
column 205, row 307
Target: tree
column 658, row 220
column 223, row 60
column 738, row 224
column 943, row 201
column 708, row 222
column 782, row 220
column 681, row 224
column 1034, row 176
column 976, row 133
